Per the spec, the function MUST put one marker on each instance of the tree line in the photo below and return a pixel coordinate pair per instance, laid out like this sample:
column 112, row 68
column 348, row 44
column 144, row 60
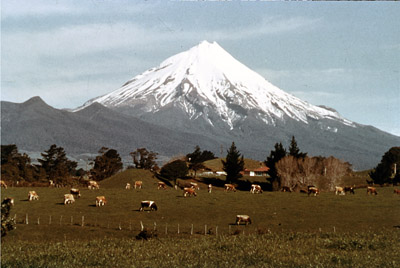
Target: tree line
column 291, row 167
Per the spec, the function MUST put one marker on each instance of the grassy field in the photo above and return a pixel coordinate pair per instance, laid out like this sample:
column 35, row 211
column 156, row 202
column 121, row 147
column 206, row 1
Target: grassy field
column 326, row 230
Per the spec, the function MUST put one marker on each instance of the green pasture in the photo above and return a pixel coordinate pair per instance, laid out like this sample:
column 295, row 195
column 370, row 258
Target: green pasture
column 291, row 222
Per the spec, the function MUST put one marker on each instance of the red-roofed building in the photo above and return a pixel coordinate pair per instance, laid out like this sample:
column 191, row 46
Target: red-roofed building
column 261, row 171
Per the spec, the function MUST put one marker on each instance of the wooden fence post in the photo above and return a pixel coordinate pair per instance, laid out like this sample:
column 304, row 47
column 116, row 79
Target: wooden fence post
column 141, row 226
column 229, row 229
column 130, row 225
column 334, row 229
column 61, row 219
column 83, row 221
column 191, row 230
column 26, row 218
column 15, row 218
column 50, row 220
column 166, row 228
column 216, row 230
column 38, row 220
column 205, row 229
column 119, row 226
column 178, row 228
column 155, row 226
column 72, row 219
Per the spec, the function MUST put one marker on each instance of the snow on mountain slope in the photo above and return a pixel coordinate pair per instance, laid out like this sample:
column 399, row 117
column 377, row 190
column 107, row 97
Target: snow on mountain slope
column 206, row 78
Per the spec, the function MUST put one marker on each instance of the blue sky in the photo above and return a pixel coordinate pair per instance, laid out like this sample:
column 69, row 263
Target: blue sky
column 345, row 55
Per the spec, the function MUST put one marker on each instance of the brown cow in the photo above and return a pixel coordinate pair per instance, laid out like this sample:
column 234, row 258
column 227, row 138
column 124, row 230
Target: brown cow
column 188, row 191
column 313, row 190
column 69, row 199
column 138, row 184
column 243, row 218
column 148, row 204
column 100, row 201
column 396, row 191
column 349, row 189
column 194, row 185
column 339, row 190
column 256, row 189
column 229, row 187
column 32, row 195
column 75, row 192
column 93, row 185
column 286, row 189
column 161, row 185
column 371, row 190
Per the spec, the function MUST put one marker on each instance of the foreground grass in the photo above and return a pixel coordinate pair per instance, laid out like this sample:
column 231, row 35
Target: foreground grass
column 267, row 250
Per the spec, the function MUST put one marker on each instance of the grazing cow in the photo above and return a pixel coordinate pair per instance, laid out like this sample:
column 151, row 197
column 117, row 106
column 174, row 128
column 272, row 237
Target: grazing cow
column 3, row 184
column 188, row 191
column 209, row 188
column 161, row 185
column 194, row 185
column 256, row 189
column 75, row 192
column 100, row 201
column 148, row 204
column 93, row 185
column 8, row 200
column 32, row 195
column 349, row 189
column 138, row 184
column 371, row 190
column 229, row 187
column 339, row 190
column 69, row 199
column 396, row 191
column 313, row 190
column 286, row 189
column 243, row 218
column 128, row 186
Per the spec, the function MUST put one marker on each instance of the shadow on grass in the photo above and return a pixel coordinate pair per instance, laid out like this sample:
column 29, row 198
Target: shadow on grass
column 60, row 203
column 24, row 200
column 92, row 205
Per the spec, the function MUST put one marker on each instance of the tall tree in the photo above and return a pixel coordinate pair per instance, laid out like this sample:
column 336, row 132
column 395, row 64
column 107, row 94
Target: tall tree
column 197, row 158
column 56, row 164
column 174, row 170
column 294, row 149
column 233, row 165
column 386, row 171
column 272, row 159
column 106, row 164
column 16, row 166
column 143, row 159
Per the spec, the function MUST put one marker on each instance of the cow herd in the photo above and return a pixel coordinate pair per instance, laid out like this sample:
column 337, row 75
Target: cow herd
column 189, row 189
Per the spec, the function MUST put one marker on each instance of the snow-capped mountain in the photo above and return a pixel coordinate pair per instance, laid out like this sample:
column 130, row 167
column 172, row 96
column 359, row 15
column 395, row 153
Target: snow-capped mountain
column 208, row 94
column 205, row 81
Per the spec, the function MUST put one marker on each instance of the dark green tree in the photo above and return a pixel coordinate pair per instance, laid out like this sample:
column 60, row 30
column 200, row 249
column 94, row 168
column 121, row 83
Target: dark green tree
column 106, row 164
column 233, row 164
column 197, row 158
column 271, row 161
column 7, row 223
column 143, row 159
column 385, row 170
column 16, row 166
column 174, row 170
column 294, row 149
column 56, row 164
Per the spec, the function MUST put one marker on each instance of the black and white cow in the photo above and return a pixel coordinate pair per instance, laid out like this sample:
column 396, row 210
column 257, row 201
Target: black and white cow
column 148, row 204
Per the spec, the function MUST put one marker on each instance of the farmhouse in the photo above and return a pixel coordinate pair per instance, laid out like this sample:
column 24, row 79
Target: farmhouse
column 261, row 171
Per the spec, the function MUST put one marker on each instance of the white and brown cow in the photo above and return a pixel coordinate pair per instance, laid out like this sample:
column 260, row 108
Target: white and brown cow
column 396, row 191
column 243, row 218
column 194, row 185
column 101, row 201
column 339, row 190
column 229, row 187
column 209, row 188
column 189, row 191
column 93, row 185
column 161, row 185
column 32, row 195
column 256, row 189
column 3, row 184
column 138, row 184
column 128, row 186
column 69, row 199
column 313, row 190
column 75, row 192
column 148, row 204
column 51, row 183
column 8, row 200
column 371, row 190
